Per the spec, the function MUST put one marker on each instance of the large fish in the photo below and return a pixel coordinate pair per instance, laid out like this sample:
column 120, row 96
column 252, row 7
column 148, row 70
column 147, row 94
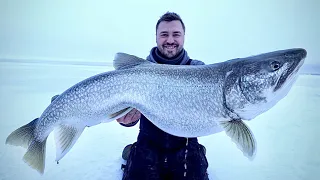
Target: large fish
column 185, row 101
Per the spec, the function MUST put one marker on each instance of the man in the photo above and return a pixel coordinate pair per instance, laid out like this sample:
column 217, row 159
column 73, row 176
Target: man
column 156, row 154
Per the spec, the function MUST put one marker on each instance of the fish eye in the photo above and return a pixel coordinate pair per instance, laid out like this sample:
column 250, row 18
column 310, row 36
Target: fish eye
column 275, row 65
column 286, row 55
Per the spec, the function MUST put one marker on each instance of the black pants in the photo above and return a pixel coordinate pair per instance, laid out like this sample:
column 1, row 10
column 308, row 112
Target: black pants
column 148, row 162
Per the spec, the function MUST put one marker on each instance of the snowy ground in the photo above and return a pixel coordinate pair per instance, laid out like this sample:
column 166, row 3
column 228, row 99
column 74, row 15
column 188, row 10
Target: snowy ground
column 287, row 135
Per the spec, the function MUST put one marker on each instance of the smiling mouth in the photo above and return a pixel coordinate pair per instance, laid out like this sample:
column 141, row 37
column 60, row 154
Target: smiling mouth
column 170, row 47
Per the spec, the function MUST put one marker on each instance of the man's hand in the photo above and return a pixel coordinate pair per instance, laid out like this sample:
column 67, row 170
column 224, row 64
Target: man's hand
column 132, row 116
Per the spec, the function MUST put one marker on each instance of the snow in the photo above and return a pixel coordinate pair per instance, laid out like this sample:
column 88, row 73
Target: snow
column 287, row 135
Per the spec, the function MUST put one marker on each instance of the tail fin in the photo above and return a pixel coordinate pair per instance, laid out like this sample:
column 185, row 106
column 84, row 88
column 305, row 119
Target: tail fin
column 35, row 156
column 24, row 137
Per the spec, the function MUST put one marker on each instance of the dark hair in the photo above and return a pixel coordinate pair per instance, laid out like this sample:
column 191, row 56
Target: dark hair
column 170, row 16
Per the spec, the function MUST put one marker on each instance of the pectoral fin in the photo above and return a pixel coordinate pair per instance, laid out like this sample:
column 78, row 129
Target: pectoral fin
column 240, row 133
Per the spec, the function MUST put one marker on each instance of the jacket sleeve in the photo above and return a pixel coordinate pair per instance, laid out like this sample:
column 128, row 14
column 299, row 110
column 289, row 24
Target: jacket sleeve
column 196, row 62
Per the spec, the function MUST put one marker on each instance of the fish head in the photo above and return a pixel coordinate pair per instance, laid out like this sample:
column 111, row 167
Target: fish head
column 265, row 79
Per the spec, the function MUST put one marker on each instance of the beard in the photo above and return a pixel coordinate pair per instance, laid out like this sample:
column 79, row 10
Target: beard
column 170, row 50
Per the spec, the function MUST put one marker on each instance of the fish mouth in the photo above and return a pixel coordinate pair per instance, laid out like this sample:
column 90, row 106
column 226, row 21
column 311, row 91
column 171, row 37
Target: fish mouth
column 291, row 73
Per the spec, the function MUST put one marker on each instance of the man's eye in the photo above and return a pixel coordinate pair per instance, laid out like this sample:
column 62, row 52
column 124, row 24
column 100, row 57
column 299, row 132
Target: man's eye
column 176, row 35
column 164, row 35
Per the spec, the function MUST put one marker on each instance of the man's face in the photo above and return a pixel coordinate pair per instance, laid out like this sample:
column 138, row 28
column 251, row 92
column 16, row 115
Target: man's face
column 170, row 38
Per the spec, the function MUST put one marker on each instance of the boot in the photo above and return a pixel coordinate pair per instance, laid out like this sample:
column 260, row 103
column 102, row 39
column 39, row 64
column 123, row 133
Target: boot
column 126, row 152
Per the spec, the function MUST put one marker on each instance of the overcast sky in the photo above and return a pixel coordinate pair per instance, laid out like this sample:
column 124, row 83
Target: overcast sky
column 216, row 30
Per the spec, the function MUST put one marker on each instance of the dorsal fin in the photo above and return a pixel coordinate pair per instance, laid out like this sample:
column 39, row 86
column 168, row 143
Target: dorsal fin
column 126, row 61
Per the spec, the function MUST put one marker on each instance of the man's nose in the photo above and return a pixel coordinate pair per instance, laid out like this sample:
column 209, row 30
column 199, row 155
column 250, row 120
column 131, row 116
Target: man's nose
column 170, row 39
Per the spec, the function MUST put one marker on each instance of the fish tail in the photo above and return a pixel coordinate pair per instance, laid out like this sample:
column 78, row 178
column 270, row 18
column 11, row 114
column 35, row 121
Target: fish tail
column 24, row 137
column 35, row 155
